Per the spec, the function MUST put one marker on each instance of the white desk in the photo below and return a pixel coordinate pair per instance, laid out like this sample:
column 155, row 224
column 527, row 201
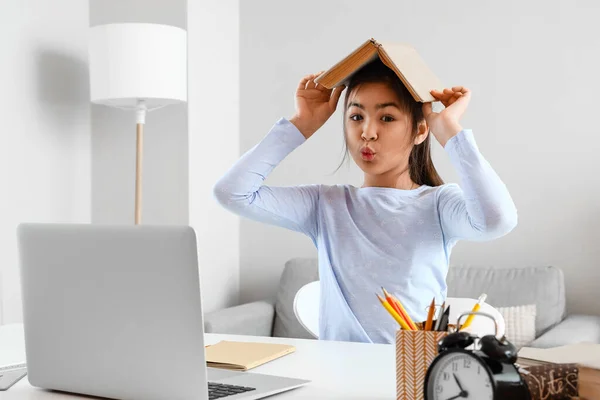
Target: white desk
column 337, row 370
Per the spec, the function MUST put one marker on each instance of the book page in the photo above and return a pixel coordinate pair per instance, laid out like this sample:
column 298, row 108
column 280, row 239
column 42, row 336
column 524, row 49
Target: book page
column 416, row 72
column 584, row 354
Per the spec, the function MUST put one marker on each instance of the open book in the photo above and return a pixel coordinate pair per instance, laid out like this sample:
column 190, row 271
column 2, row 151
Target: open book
column 242, row 356
column 401, row 58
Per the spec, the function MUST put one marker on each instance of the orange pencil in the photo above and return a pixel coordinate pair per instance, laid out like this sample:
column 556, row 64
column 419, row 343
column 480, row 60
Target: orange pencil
column 395, row 303
column 393, row 313
column 408, row 319
column 429, row 322
column 389, row 299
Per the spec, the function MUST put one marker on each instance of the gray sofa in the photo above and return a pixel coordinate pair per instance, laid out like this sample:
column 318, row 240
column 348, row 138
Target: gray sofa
column 505, row 287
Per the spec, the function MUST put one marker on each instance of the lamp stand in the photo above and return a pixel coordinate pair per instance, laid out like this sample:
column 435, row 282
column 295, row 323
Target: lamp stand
column 140, row 121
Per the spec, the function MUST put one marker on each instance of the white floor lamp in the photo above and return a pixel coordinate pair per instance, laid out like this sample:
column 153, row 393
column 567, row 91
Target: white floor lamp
column 138, row 67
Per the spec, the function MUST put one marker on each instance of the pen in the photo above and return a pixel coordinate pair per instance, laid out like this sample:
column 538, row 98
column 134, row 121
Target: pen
column 393, row 313
column 444, row 319
column 439, row 318
column 476, row 308
column 429, row 321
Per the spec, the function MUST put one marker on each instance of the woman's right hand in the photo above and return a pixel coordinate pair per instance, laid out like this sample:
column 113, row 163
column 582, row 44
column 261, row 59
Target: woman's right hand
column 314, row 104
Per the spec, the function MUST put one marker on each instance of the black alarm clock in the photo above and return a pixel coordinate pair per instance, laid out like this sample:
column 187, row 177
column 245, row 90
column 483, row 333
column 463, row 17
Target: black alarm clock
column 487, row 372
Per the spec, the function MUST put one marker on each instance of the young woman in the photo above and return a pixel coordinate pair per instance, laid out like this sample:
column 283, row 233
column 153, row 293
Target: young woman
column 398, row 229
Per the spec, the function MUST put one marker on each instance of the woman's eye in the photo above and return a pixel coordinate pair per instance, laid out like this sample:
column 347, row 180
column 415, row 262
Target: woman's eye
column 387, row 118
column 356, row 117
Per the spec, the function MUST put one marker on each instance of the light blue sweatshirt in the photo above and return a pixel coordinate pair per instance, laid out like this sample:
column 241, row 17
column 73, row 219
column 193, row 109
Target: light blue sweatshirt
column 372, row 237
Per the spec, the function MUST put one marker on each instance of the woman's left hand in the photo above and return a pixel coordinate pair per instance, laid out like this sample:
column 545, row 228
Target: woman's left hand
column 446, row 124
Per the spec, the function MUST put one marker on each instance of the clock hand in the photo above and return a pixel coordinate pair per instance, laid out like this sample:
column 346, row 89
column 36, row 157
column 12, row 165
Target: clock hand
column 458, row 396
column 458, row 383
column 463, row 392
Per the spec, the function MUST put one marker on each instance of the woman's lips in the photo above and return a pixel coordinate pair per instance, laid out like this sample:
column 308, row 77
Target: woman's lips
column 367, row 154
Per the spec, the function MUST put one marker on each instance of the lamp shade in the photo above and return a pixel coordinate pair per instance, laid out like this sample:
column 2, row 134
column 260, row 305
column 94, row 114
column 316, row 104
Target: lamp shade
column 137, row 61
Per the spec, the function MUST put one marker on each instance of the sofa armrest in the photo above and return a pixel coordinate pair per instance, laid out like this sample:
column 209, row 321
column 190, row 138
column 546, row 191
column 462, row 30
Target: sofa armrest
column 254, row 319
column 573, row 329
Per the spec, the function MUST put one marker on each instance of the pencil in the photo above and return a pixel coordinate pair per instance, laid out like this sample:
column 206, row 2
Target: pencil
column 397, row 306
column 403, row 312
column 393, row 313
column 392, row 303
column 429, row 322
column 476, row 308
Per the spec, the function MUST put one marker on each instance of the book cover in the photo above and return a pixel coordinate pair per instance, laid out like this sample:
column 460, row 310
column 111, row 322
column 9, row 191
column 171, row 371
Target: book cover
column 401, row 58
column 242, row 356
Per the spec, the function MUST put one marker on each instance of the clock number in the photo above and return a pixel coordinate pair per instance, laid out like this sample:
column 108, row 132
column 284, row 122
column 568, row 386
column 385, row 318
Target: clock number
column 454, row 366
column 479, row 370
column 439, row 389
column 446, row 376
column 467, row 363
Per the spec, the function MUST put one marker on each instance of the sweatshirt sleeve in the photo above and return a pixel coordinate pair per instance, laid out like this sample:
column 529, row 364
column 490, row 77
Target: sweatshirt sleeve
column 481, row 208
column 241, row 189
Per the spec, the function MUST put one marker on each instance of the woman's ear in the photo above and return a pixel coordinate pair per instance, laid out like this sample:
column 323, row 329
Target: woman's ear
column 422, row 132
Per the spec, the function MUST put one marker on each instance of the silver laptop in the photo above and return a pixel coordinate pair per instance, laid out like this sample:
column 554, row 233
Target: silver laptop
column 115, row 311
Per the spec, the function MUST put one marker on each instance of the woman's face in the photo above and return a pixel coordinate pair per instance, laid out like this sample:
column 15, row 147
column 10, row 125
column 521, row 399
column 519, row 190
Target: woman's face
column 378, row 132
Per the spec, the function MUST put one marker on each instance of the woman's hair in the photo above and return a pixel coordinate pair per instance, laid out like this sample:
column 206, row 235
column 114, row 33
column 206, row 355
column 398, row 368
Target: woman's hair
column 421, row 168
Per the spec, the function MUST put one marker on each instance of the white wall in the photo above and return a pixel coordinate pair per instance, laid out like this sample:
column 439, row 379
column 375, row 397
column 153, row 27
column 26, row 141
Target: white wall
column 45, row 135
column 213, row 121
column 165, row 161
column 179, row 169
column 532, row 67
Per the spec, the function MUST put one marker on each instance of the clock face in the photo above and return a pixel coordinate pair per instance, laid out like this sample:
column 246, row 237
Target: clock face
column 459, row 375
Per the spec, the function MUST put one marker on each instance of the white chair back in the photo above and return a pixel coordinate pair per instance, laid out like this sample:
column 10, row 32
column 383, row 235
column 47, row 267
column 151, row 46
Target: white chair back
column 306, row 307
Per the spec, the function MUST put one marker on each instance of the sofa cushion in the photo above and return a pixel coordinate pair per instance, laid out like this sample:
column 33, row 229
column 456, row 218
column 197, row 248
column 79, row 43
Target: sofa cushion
column 573, row 329
column 506, row 287
column 296, row 273
column 520, row 324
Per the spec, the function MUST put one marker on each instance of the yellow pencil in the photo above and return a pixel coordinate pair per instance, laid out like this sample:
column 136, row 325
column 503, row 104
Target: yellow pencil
column 393, row 313
column 401, row 311
column 476, row 308
column 408, row 319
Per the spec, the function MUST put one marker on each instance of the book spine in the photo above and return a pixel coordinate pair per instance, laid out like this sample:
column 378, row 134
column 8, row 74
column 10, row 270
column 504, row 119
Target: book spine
column 375, row 43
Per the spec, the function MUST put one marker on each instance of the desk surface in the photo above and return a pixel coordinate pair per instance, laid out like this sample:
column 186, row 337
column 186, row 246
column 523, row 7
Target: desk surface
column 338, row 370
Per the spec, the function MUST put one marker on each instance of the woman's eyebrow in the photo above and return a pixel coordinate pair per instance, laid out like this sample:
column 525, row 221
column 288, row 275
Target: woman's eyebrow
column 389, row 104
column 378, row 106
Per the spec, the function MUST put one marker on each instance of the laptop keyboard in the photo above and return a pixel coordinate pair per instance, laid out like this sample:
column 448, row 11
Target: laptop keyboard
column 219, row 390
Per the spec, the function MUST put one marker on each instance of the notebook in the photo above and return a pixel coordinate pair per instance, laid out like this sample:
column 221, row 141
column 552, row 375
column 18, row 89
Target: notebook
column 401, row 58
column 242, row 356
column 585, row 355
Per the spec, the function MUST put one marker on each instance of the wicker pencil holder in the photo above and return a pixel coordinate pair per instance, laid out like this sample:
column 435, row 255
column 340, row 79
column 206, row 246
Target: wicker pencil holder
column 415, row 350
